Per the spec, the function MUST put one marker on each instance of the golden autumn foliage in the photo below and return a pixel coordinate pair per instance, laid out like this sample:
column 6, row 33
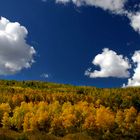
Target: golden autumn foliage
column 58, row 109
column 105, row 118
column 6, row 121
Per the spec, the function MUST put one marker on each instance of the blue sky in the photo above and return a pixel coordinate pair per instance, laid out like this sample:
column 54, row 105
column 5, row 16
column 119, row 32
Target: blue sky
column 67, row 37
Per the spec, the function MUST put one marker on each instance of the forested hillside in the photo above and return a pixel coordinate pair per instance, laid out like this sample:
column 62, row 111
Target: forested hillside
column 40, row 110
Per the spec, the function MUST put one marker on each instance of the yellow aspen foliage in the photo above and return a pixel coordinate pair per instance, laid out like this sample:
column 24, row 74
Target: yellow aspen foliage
column 26, row 122
column 119, row 118
column 6, row 121
column 43, row 106
column 33, row 122
column 67, row 108
column 98, row 103
column 56, row 126
column 17, row 99
column 68, row 115
column 18, row 115
column 129, row 120
column 130, row 115
column 104, row 118
column 4, row 107
column 43, row 120
column 55, row 108
column 82, row 108
column 138, row 120
column 137, row 123
column 69, row 120
column 89, row 123
column 17, row 118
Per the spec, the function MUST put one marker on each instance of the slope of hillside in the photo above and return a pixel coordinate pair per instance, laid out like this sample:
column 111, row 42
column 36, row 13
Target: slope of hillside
column 67, row 112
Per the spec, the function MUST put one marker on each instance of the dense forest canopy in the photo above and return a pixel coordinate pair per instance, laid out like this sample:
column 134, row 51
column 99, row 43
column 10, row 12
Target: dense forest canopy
column 58, row 109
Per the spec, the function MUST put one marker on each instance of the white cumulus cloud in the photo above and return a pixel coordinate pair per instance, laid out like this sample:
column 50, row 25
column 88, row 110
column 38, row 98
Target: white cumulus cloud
column 111, row 5
column 111, row 65
column 15, row 53
column 135, row 21
column 135, row 80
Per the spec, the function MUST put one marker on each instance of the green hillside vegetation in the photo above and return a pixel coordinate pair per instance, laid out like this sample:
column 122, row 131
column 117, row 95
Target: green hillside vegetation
column 33, row 110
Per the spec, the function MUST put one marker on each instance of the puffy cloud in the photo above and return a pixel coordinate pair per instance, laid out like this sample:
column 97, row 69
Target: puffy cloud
column 135, row 21
column 135, row 80
column 111, row 5
column 15, row 53
column 111, row 65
